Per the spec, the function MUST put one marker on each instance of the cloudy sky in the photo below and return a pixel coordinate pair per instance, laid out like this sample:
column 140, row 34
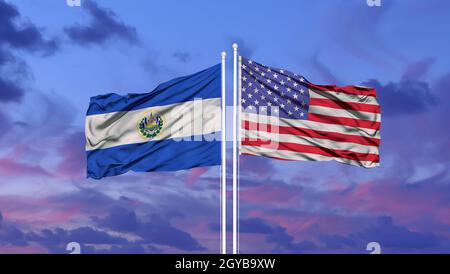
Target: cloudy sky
column 54, row 57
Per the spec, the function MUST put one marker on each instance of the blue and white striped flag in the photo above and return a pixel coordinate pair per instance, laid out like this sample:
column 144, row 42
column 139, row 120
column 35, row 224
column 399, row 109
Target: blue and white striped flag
column 176, row 126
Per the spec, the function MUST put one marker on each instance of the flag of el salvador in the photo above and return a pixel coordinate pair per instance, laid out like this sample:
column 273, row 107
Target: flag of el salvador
column 176, row 126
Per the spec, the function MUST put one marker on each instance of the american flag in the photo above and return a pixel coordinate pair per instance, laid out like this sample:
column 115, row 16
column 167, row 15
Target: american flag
column 284, row 116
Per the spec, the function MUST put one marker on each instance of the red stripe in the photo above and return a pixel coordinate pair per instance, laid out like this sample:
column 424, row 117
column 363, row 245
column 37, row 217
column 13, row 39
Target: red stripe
column 366, row 91
column 347, row 154
column 343, row 121
column 338, row 137
column 345, row 105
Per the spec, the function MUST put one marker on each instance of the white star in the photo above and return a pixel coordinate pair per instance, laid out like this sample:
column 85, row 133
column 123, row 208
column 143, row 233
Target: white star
column 263, row 109
column 295, row 84
column 275, row 87
column 269, row 104
column 251, row 72
column 282, row 94
column 302, row 79
column 244, row 78
column 275, row 99
column 244, row 66
column 303, row 103
column 256, row 102
column 268, row 80
column 288, row 89
column 296, row 108
column 282, row 82
column 250, row 84
column 295, row 96
column 243, row 100
column 249, row 95
column 302, row 114
column 244, row 89
column 256, row 68
column 289, row 79
column 262, row 74
column 275, row 75
column 263, row 97
column 250, row 61
column 290, row 113
column 268, row 70
column 261, row 85
column 282, row 106
column 256, row 90
column 275, row 110
column 289, row 101
column 269, row 92
column 281, row 70
column 302, row 91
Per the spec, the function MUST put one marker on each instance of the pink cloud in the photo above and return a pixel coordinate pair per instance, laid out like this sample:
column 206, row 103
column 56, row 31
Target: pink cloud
column 270, row 194
column 26, row 210
column 23, row 250
column 194, row 175
column 9, row 167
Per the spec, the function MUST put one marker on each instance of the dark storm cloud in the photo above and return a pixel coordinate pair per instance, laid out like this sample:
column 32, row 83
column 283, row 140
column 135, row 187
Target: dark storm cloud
column 275, row 234
column 394, row 236
column 119, row 219
column 403, row 97
column 255, row 225
column 155, row 230
column 22, row 36
column 18, row 35
column 57, row 239
column 388, row 234
column 10, row 91
column 104, row 26
column 286, row 243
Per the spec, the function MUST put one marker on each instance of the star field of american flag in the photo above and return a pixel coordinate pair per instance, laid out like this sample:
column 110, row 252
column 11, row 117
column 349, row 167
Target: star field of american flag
column 272, row 91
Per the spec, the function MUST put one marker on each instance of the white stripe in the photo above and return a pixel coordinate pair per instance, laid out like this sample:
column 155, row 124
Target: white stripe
column 345, row 113
column 345, row 97
column 275, row 138
column 180, row 121
column 357, row 131
column 301, row 156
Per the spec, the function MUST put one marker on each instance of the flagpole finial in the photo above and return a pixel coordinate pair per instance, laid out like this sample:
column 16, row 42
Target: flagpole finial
column 235, row 46
column 224, row 54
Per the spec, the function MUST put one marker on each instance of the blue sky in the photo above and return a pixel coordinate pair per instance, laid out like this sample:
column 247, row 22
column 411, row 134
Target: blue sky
column 54, row 57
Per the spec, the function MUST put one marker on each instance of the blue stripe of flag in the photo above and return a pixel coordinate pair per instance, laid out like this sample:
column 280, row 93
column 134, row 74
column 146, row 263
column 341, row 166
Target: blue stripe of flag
column 164, row 155
column 204, row 84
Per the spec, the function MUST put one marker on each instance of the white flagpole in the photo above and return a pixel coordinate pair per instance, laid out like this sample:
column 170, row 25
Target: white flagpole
column 235, row 217
column 223, row 188
column 239, row 104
